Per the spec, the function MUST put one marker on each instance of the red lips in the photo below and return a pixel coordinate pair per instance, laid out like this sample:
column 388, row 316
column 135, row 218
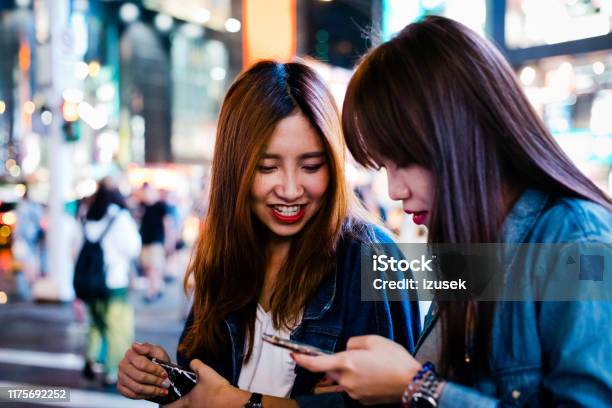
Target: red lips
column 419, row 217
column 289, row 219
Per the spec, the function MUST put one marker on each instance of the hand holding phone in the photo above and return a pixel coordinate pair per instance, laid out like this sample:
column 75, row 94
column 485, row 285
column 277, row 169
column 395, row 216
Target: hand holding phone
column 181, row 382
column 294, row 346
column 138, row 377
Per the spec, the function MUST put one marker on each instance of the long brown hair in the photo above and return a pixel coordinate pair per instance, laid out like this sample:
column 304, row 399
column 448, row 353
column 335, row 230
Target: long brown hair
column 228, row 262
column 440, row 96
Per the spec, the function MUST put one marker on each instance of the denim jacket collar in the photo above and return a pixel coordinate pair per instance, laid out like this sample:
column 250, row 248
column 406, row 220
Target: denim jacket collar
column 314, row 310
column 519, row 221
column 322, row 299
column 523, row 215
column 330, row 317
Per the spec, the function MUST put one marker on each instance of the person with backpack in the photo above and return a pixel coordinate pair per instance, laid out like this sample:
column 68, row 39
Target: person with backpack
column 111, row 242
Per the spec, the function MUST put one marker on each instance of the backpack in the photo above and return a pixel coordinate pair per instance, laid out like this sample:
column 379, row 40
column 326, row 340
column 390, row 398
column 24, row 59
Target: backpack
column 90, row 271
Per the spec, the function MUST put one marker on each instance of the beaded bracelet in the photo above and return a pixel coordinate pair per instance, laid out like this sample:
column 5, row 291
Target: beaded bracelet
column 423, row 389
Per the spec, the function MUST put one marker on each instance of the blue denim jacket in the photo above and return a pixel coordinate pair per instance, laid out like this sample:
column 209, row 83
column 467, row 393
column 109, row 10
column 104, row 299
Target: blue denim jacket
column 333, row 315
column 547, row 353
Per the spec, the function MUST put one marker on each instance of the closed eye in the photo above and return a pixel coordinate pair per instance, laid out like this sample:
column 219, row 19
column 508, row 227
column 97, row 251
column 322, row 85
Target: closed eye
column 313, row 168
column 266, row 169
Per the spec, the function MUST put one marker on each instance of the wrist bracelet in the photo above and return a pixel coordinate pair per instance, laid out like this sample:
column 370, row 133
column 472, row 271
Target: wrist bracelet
column 254, row 401
column 423, row 389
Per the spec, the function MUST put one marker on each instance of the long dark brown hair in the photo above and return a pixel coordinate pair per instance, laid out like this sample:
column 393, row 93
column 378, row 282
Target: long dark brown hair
column 440, row 96
column 228, row 262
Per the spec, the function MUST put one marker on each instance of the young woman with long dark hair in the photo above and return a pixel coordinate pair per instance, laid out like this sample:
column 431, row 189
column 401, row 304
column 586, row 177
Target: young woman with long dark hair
column 279, row 252
column 441, row 110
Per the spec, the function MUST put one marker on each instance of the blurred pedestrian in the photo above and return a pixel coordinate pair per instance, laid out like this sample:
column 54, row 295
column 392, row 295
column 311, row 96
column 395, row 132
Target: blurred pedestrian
column 172, row 241
column 27, row 237
column 111, row 319
column 155, row 231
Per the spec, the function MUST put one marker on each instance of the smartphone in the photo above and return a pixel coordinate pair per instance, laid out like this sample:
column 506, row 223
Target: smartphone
column 181, row 382
column 294, row 345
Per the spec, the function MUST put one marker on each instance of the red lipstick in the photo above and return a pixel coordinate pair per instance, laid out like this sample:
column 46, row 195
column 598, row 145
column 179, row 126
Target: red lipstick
column 289, row 219
column 419, row 217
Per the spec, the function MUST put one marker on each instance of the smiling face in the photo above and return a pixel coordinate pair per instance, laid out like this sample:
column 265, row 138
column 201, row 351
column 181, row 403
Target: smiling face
column 412, row 185
column 291, row 178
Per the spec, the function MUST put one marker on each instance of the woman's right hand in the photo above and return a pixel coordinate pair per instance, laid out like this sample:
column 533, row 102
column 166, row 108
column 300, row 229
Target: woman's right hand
column 139, row 378
column 373, row 369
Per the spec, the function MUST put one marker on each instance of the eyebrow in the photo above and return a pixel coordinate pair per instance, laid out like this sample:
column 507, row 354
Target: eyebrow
column 309, row 155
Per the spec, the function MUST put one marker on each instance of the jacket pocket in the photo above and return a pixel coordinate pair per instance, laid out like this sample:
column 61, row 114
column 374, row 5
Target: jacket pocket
column 519, row 386
column 323, row 337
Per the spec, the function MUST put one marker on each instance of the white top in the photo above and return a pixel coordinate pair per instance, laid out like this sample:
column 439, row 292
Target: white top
column 270, row 370
column 120, row 245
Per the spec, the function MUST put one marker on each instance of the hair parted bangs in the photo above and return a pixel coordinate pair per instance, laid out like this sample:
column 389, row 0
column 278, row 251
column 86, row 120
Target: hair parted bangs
column 441, row 96
column 372, row 119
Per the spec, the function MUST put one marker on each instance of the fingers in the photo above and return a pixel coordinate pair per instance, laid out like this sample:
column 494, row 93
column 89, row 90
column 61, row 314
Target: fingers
column 202, row 370
column 327, row 389
column 179, row 403
column 198, row 367
column 319, row 364
column 126, row 392
column 139, row 378
column 335, row 376
column 326, row 381
column 362, row 342
column 151, row 350
column 135, row 390
column 142, row 377
column 145, row 365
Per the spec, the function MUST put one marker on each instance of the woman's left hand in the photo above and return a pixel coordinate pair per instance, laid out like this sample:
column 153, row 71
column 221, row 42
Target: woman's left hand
column 373, row 370
column 211, row 390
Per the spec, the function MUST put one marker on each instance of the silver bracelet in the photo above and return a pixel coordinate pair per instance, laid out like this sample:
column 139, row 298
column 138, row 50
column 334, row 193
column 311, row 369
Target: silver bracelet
column 423, row 389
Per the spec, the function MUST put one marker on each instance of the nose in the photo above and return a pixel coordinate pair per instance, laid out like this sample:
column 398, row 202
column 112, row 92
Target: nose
column 290, row 188
column 398, row 190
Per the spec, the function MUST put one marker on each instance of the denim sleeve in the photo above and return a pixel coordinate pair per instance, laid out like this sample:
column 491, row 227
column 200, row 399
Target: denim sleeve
column 397, row 320
column 576, row 374
column 577, row 359
column 455, row 395
column 576, row 352
column 331, row 400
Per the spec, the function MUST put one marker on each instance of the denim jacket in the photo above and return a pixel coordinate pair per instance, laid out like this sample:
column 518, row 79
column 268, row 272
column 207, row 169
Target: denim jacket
column 547, row 353
column 334, row 314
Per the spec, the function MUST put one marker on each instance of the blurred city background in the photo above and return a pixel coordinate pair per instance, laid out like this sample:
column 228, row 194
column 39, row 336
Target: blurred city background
column 129, row 92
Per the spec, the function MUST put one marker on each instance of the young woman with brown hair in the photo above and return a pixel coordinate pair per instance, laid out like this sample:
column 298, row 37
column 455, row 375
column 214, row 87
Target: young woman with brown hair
column 279, row 252
column 441, row 110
